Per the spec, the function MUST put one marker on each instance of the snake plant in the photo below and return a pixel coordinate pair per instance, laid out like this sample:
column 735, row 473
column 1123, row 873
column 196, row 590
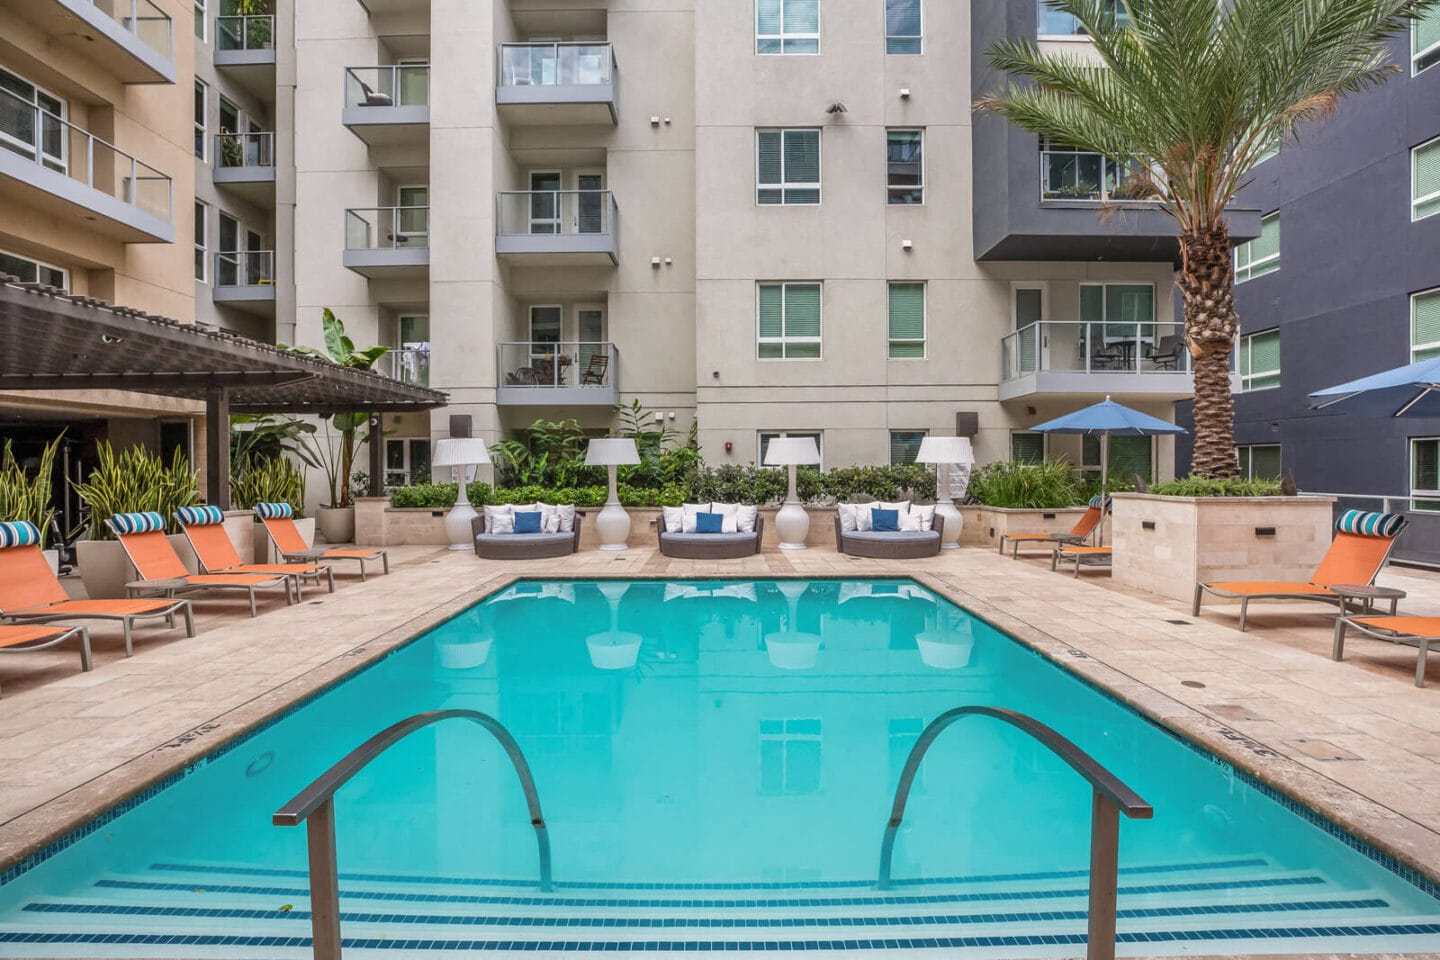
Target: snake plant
column 134, row 481
column 26, row 496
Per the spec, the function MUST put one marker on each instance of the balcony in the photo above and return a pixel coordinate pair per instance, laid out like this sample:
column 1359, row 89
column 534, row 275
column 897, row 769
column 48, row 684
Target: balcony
column 131, row 39
column 558, row 227
column 566, row 374
column 388, row 243
column 245, row 51
column 389, row 105
column 407, row 364
column 1142, row 360
column 58, row 168
column 245, row 165
column 557, row 84
column 245, row 280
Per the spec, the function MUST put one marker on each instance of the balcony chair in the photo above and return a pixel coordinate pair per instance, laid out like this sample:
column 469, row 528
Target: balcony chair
column 1166, row 354
column 373, row 99
column 595, row 370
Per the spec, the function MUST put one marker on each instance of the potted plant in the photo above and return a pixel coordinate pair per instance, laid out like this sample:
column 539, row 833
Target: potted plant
column 24, row 496
column 134, row 481
column 337, row 454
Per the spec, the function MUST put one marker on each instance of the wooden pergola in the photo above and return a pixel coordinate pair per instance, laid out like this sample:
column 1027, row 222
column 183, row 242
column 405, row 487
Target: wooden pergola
column 53, row 341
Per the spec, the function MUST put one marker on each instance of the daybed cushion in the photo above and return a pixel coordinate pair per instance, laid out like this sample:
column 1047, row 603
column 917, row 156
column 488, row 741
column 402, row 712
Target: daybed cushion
column 904, row 536
column 524, row 537
column 709, row 537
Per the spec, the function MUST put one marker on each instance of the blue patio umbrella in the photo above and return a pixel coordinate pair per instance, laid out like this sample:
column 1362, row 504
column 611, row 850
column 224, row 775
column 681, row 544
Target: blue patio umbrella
column 1412, row 389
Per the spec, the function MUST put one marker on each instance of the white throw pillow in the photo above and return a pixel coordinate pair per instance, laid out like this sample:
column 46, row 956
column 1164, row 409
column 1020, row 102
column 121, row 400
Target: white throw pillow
column 729, row 516
column 848, row 513
column 909, row 522
column 745, row 516
column 549, row 518
column 863, row 520
column 922, row 515
column 565, row 512
column 673, row 518
column 902, row 508
column 500, row 519
column 689, row 510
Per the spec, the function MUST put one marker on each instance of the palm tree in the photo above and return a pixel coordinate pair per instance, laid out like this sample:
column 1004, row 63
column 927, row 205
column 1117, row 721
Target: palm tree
column 1192, row 94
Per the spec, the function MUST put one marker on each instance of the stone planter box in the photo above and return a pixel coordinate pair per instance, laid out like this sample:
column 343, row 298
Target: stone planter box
column 1164, row 545
column 992, row 523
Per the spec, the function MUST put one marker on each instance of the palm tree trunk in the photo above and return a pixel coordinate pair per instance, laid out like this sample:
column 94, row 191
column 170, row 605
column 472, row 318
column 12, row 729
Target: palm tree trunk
column 1207, row 286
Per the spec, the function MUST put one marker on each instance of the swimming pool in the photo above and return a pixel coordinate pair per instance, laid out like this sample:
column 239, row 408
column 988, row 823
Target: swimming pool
column 716, row 761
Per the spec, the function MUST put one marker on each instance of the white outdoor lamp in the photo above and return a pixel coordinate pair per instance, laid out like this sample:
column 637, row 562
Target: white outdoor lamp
column 943, row 452
column 613, row 523
column 792, row 523
column 462, row 452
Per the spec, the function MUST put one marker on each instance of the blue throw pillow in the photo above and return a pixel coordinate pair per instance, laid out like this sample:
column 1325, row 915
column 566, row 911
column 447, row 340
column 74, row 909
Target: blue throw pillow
column 885, row 521
column 527, row 522
column 709, row 522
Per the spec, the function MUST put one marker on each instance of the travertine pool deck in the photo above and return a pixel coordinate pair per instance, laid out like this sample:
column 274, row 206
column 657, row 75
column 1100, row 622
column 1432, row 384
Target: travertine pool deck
column 1355, row 740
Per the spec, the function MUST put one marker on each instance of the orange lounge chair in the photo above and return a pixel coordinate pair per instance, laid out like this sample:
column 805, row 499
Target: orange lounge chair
column 204, row 528
column 1078, row 534
column 22, row 639
column 1419, row 632
column 30, row 592
column 143, row 537
column 279, row 521
column 1358, row 553
column 1090, row 556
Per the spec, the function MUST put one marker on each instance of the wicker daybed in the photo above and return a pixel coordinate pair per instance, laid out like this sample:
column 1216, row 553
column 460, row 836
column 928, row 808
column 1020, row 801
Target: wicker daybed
column 709, row 546
column 890, row 545
column 524, row 546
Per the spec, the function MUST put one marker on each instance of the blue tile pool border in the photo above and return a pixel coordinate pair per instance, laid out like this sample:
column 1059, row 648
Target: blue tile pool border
column 1390, row 863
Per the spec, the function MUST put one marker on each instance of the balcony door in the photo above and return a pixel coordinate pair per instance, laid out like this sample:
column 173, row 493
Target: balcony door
column 1028, row 304
column 412, row 220
column 414, row 75
column 546, row 357
column 412, row 362
column 257, row 271
column 227, row 259
column 593, row 353
column 591, row 217
column 545, row 201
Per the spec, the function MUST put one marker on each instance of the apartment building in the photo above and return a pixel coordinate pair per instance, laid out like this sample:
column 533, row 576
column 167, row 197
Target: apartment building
column 1345, row 282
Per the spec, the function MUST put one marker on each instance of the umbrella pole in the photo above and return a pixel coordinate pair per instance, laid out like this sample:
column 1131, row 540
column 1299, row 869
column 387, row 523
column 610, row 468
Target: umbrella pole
column 1104, row 485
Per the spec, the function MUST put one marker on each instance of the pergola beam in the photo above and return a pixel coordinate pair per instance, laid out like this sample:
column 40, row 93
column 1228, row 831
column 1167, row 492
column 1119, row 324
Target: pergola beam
column 144, row 382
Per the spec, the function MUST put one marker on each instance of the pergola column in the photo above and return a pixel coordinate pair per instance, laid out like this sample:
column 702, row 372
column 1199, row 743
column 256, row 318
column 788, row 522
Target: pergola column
column 217, row 447
column 377, row 456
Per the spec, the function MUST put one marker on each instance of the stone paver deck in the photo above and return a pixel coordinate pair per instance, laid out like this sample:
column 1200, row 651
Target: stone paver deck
column 1355, row 740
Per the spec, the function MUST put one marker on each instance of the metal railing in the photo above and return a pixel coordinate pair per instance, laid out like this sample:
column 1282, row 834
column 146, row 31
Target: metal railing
column 1109, row 798
column 556, row 64
column 1077, row 347
column 408, row 364
column 315, row 807
column 393, row 85
column 244, row 268
column 548, row 364
column 387, row 228
column 555, row 212
column 254, row 32
column 151, row 25
column 57, row 144
column 244, row 150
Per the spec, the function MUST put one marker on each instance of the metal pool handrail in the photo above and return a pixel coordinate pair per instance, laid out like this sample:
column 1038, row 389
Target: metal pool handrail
column 1110, row 797
column 315, row 806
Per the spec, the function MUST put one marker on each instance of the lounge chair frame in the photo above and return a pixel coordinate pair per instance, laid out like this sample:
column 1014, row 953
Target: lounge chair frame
column 1347, row 622
column 720, row 550
column 339, row 553
column 319, row 572
column 58, row 637
column 1089, row 556
column 127, row 620
column 1064, row 539
column 258, row 581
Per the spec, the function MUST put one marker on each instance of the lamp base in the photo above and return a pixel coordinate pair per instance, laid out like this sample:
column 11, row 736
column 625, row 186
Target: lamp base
column 792, row 524
column 457, row 526
column 612, row 525
column 954, row 524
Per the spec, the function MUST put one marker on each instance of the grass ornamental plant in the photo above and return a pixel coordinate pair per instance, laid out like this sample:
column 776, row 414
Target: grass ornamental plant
column 1205, row 487
column 133, row 482
column 1189, row 95
column 268, row 480
column 1019, row 486
column 25, row 495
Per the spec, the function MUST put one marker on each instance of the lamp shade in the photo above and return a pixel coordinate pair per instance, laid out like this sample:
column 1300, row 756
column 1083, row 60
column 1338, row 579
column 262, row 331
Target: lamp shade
column 611, row 451
column 783, row 451
column 945, row 450
column 460, row 452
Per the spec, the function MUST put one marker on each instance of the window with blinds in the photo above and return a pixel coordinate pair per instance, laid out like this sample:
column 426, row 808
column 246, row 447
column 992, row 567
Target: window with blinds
column 787, row 26
column 903, row 26
column 787, row 166
column 1118, row 312
column 1255, row 258
column 788, row 321
column 1425, row 180
column 762, row 443
column 1260, row 361
column 905, row 446
column 202, row 244
column 1029, row 447
column 34, row 271
column 1425, row 41
column 905, row 166
column 1259, row 461
column 907, row 321
column 1425, row 325
column 1425, row 474
column 1128, row 456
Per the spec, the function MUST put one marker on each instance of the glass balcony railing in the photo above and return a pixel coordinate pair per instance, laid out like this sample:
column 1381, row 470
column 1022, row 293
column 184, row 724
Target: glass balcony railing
column 395, row 85
column 239, row 150
column 556, row 212
column 256, row 32
column 408, row 364
column 387, row 228
column 1076, row 347
column 56, row 144
column 150, row 25
column 245, row 268
column 553, row 364
column 556, row 64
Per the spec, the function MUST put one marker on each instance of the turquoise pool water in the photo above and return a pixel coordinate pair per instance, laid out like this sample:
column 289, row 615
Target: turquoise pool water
column 716, row 762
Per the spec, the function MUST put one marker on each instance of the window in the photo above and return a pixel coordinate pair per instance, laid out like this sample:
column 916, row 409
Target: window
column 905, row 166
column 1128, row 456
column 407, row 461
column 1259, row 461
column 1425, row 325
column 1425, row 41
column 202, row 259
column 1425, row 180
column 789, row 321
column 1425, row 474
column 1119, row 320
column 30, row 270
column 1069, row 173
column 789, row 756
column 763, row 442
column 787, row 26
column 200, row 20
column 1255, row 258
column 906, row 328
column 787, row 166
column 31, row 120
column 905, row 446
column 1026, row 447
column 1057, row 23
column 903, row 26
column 201, row 111
column 1260, row 361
